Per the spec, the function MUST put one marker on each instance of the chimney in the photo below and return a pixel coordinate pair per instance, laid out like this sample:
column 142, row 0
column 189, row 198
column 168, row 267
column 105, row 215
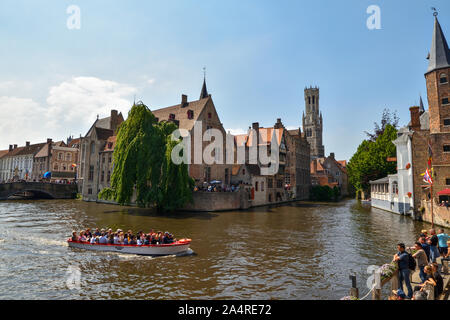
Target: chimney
column 27, row 143
column 184, row 102
column 10, row 147
column 255, row 126
column 314, row 166
column 278, row 125
column 49, row 141
column 415, row 118
column 114, row 114
column 15, row 146
column 332, row 155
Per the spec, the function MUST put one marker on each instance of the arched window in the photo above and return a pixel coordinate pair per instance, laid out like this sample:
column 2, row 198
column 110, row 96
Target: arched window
column 55, row 167
column 60, row 156
column 443, row 78
column 68, row 156
column 64, row 167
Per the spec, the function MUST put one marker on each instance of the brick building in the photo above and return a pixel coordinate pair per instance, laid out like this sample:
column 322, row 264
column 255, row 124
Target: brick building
column 327, row 171
column 202, row 112
column 436, row 135
column 91, row 153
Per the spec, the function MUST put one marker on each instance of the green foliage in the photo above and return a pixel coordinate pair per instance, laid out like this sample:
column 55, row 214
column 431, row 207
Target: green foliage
column 370, row 160
column 325, row 193
column 143, row 166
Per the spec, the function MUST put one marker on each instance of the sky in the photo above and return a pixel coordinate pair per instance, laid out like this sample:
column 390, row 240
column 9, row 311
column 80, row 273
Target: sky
column 259, row 55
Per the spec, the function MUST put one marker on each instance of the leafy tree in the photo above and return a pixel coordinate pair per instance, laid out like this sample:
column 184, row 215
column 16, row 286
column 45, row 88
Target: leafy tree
column 370, row 160
column 387, row 118
column 325, row 193
column 143, row 166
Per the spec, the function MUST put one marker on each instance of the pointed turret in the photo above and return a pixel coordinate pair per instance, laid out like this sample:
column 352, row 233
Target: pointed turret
column 421, row 107
column 204, row 94
column 439, row 54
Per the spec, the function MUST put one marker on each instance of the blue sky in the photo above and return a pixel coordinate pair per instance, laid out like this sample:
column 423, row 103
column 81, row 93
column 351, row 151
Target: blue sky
column 259, row 56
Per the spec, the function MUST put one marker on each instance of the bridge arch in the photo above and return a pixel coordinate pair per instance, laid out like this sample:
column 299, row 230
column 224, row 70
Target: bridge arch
column 39, row 189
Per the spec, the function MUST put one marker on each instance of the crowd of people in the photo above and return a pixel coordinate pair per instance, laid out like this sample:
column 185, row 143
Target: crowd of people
column 428, row 248
column 119, row 237
column 444, row 204
column 216, row 188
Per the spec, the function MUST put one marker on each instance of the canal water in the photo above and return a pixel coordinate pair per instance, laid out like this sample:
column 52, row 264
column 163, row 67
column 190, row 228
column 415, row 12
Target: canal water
column 296, row 251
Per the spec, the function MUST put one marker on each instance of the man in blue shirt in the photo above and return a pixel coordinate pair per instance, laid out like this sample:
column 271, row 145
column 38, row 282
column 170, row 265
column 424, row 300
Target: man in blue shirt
column 443, row 246
column 402, row 259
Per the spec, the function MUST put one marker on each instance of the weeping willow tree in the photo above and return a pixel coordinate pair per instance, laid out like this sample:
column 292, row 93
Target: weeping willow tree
column 143, row 166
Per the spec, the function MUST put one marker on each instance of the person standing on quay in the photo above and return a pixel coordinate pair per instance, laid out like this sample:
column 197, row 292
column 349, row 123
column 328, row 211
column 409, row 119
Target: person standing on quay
column 422, row 260
column 443, row 243
column 433, row 242
column 425, row 247
column 402, row 258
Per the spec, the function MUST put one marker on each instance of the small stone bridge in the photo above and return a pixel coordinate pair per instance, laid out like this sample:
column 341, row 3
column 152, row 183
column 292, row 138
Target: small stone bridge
column 39, row 190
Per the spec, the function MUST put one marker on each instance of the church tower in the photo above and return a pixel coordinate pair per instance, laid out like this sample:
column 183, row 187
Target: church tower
column 313, row 123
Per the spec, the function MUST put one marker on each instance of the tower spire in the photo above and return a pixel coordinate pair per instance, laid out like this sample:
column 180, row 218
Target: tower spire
column 204, row 94
column 421, row 107
column 439, row 54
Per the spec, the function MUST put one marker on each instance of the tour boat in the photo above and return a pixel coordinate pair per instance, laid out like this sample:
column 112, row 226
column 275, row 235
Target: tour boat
column 178, row 247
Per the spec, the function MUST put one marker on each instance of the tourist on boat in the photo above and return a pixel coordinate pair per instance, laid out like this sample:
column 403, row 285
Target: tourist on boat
column 93, row 240
column 443, row 243
column 103, row 239
column 74, row 236
column 422, row 260
column 82, row 237
column 403, row 268
column 97, row 233
column 133, row 240
column 111, row 239
column 88, row 233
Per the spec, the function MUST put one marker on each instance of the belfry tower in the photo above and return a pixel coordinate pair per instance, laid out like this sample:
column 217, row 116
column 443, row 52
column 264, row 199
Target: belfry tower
column 313, row 123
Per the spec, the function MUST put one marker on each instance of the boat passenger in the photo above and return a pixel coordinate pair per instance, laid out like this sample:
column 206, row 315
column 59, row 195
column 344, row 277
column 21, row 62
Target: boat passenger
column 111, row 239
column 92, row 240
column 103, row 239
column 147, row 240
column 82, row 238
column 74, row 236
column 125, row 239
column 133, row 241
column 97, row 233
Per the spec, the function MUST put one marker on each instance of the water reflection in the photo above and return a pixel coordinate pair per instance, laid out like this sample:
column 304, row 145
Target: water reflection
column 298, row 251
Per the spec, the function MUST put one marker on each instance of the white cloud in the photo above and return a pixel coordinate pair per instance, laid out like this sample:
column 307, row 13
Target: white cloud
column 21, row 120
column 151, row 81
column 71, row 108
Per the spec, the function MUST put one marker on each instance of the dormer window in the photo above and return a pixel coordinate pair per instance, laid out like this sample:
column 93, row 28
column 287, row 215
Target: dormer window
column 172, row 116
column 190, row 114
column 443, row 79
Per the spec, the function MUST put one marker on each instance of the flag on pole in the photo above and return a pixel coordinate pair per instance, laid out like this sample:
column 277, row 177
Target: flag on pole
column 427, row 177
